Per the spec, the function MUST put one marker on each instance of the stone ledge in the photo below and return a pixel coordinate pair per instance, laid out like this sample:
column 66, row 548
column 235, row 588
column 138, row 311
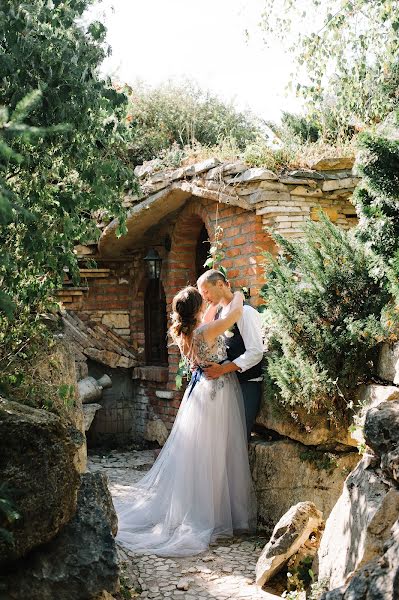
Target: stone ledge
column 151, row 373
column 164, row 394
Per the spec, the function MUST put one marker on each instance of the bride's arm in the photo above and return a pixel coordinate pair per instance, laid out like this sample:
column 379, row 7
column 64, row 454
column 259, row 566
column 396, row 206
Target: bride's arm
column 210, row 313
column 215, row 328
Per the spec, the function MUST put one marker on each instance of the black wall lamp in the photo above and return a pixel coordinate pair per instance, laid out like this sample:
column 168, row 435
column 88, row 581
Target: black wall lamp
column 153, row 262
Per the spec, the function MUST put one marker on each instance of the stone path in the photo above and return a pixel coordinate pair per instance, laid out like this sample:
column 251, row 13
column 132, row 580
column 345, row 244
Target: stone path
column 225, row 571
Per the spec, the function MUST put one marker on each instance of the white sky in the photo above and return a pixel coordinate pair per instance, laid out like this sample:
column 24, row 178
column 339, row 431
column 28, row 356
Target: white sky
column 158, row 40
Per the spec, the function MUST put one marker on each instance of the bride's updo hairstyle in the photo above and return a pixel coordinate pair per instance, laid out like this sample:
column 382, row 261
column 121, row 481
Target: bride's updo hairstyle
column 186, row 306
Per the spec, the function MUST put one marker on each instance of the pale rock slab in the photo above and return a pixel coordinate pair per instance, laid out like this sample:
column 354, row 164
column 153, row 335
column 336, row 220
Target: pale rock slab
column 359, row 523
column 156, row 431
column 89, row 412
column 116, row 320
column 388, row 363
column 333, row 164
column 255, row 174
column 287, row 472
column 290, row 533
column 311, row 429
column 377, row 580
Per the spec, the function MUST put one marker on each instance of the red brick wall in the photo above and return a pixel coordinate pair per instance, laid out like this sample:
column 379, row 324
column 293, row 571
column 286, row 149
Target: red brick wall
column 243, row 241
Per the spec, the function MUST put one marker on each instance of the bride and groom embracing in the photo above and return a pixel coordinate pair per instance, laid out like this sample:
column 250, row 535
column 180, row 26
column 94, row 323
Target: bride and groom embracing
column 200, row 486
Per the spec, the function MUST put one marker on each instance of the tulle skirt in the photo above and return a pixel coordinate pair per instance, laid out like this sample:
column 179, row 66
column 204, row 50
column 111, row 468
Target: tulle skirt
column 200, row 487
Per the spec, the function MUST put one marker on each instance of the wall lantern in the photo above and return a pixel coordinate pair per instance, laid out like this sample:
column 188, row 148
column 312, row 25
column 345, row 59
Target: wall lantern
column 153, row 262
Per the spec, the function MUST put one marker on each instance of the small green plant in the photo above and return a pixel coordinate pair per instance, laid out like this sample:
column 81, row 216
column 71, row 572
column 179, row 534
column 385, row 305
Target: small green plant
column 317, row 588
column 183, row 372
column 216, row 253
column 299, row 578
column 8, row 513
column 323, row 461
column 67, row 394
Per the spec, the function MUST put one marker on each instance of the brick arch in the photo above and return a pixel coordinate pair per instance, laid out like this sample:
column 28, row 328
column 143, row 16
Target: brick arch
column 181, row 268
column 181, row 260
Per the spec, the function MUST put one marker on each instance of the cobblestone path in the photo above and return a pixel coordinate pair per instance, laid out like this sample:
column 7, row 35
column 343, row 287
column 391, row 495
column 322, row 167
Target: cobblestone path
column 225, row 571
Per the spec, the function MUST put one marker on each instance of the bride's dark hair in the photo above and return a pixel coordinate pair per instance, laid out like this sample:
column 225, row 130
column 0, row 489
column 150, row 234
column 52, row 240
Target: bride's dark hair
column 186, row 305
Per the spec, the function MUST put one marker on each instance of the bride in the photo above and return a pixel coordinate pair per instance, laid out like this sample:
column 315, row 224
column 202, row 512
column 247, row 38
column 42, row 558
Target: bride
column 200, row 487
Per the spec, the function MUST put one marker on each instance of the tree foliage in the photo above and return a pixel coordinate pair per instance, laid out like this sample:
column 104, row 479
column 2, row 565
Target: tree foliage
column 183, row 115
column 377, row 198
column 62, row 155
column 329, row 307
column 346, row 56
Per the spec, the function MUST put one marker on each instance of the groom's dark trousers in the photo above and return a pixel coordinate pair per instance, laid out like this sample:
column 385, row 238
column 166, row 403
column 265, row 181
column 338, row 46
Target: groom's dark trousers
column 251, row 390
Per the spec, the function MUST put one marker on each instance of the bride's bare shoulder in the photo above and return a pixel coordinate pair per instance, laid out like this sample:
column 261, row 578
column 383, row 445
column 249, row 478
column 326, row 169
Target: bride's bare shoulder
column 199, row 333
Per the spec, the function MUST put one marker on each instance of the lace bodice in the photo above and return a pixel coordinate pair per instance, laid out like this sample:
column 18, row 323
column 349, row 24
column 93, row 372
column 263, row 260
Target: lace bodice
column 203, row 354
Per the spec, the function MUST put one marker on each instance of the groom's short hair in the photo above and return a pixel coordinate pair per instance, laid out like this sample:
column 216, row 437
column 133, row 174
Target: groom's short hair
column 211, row 276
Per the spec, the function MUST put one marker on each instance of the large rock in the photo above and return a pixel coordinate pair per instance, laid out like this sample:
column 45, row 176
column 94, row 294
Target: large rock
column 287, row 472
column 381, row 427
column 37, row 453
column 57, row 369
column 388, row 363
column 81, row 562
column 289, row 535
column 359, row 523
column 377, row 580
column 89, row 411
column 156, row 431
column 371, row 396
column 311, row 429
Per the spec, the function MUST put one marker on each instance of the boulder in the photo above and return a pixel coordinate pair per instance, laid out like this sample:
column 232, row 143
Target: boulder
column 388, row 363
column 390, row 463
column 370, row 396
column 311, row 429
column 381, row 427
column 359, row 523
column 57, row 369
column 37, row 454
column 287, row 472
column 89, row 411
column 377, row 580
column 290, row 533
column 81, row 562
column 156, row 431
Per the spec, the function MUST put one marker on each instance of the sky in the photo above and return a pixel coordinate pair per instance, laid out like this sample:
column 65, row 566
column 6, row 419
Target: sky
column 156, row 40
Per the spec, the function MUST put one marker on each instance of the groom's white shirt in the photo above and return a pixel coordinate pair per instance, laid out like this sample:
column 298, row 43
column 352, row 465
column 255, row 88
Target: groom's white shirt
column 250, row 327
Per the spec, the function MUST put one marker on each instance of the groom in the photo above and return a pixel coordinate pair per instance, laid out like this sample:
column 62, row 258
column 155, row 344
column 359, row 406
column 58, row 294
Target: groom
column 244, row 344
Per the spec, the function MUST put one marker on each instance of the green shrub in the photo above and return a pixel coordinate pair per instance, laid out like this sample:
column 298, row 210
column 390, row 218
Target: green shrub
column 305, row 128
column 183, row 115
column 377, row 198
column 327, row 298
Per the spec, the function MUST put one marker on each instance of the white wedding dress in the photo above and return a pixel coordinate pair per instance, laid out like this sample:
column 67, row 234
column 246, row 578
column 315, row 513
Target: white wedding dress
column 200, row 486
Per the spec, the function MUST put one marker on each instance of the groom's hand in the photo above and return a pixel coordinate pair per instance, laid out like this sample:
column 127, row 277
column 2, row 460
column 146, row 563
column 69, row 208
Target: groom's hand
column 214, row 370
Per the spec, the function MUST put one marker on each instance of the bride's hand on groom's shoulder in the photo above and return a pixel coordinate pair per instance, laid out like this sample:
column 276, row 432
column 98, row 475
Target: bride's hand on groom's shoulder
column 239, row 295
